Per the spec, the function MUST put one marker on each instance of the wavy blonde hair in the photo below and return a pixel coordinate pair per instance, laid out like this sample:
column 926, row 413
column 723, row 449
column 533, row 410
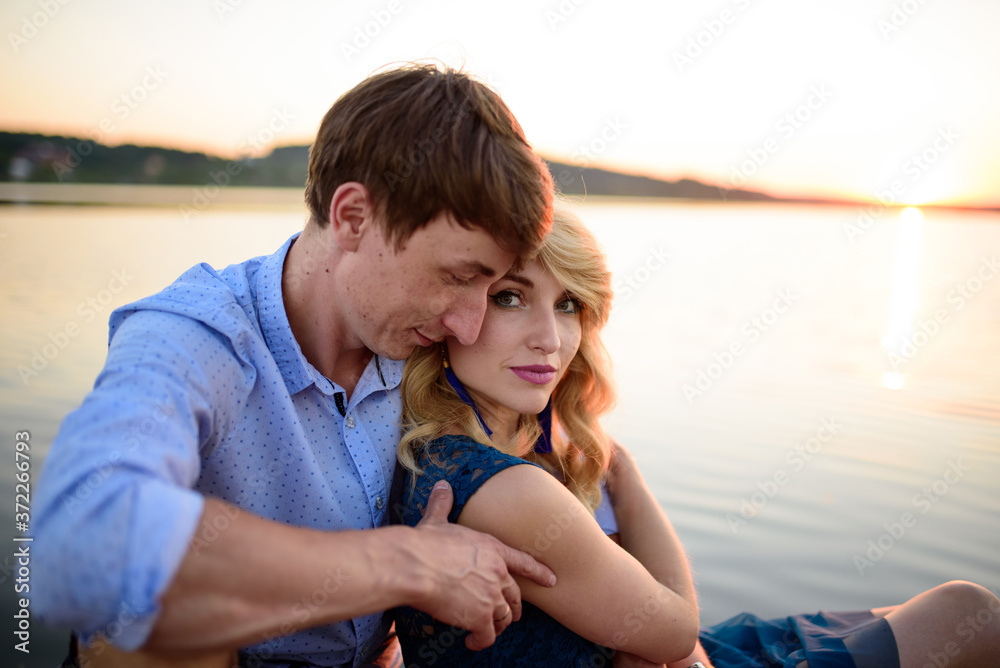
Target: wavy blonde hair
column 580, row 446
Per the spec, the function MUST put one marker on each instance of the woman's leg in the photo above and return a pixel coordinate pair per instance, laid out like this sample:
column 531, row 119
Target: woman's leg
column 955, row 624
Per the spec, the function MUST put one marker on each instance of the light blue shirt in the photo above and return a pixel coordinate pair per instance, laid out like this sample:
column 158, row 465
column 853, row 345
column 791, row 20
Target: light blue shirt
column 206, row 392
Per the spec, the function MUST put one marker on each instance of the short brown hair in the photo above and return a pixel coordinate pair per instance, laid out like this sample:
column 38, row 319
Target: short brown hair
column 425, row 140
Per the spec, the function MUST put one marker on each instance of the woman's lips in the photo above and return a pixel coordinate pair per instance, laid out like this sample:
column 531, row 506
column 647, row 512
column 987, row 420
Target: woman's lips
column 539, row 374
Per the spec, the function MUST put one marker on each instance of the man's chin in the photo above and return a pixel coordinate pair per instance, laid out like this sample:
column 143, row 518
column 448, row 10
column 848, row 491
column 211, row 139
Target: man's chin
column 400, row 348
column 397, row 352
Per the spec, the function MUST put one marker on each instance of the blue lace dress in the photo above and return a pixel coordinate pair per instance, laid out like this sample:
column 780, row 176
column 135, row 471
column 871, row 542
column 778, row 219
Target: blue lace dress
column 536, row 639
column 820, row 640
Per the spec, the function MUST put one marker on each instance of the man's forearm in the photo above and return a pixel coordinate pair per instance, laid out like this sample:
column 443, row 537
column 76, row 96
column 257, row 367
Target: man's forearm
column 254, row 579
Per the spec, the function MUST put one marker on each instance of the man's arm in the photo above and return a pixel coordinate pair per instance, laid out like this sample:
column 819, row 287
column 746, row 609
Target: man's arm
column 127, row 547
column 250, row 581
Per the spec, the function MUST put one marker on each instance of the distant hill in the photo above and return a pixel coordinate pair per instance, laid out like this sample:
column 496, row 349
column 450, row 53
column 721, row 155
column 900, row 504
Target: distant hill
column 39, row 158
column 575, row 180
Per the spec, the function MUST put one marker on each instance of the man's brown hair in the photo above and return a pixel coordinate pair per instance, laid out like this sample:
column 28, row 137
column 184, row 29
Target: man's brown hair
column 425, row 140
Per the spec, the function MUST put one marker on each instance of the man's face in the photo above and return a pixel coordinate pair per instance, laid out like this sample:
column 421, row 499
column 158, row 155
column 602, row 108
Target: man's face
column 434, row 286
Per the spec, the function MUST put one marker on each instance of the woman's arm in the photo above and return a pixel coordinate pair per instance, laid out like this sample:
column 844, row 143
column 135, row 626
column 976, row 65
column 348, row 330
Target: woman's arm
column 603, row 593
column 648, row 535
column 644, row 530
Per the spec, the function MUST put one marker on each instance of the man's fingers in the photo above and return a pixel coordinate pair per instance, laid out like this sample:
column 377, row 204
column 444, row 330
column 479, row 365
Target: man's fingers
column 512, row 594
column 438, row 504
column 482, row 637
column 524, row 565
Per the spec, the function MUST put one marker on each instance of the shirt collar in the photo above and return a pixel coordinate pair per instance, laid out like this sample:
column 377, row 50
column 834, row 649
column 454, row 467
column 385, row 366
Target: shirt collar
column 296, row 371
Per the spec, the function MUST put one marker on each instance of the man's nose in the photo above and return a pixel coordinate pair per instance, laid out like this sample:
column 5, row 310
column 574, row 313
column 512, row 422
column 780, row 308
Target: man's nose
column 465, row 317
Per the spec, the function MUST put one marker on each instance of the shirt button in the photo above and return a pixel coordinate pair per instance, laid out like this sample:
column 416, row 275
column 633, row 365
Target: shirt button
column 350, row 422
column 379, row 503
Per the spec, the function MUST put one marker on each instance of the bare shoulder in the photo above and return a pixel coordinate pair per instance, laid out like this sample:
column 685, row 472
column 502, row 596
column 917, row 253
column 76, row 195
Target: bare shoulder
column 526, row 507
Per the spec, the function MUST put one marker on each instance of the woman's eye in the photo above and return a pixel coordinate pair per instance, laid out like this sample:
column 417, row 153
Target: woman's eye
column 506, row 299
column 568, row 305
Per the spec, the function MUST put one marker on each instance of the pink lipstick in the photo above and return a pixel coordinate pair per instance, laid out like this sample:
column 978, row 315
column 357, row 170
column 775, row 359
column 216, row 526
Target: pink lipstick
column 539, row 374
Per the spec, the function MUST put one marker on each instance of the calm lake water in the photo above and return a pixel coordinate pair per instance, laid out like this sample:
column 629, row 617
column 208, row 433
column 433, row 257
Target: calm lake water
column 816, row 403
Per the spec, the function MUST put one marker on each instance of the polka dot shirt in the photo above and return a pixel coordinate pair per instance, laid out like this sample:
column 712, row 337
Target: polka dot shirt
column 206, row 392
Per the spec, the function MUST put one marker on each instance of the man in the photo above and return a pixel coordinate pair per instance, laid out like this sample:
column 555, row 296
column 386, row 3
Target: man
column 219, row 487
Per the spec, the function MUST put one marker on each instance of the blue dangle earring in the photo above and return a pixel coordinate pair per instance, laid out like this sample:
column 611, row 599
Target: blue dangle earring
column 544, row 443
column 456, row 385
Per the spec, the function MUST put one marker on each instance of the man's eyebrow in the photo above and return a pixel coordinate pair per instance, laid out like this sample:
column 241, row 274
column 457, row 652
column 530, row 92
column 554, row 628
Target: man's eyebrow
column 523, row 280
column 479, row 268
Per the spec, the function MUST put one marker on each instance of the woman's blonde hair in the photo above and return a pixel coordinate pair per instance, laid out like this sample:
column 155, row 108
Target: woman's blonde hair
column 580, row 447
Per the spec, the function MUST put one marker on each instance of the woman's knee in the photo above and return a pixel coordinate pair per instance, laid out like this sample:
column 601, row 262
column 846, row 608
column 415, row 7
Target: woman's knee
column 967, row 598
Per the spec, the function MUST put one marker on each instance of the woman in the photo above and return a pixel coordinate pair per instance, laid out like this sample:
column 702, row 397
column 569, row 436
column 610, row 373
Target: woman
column 511, row 422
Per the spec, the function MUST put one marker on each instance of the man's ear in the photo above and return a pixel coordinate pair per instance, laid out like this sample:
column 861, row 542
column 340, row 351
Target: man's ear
column 352, row 214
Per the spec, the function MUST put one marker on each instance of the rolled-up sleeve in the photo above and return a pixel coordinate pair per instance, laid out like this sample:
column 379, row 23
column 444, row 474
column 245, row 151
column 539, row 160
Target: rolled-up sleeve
column 115, row 512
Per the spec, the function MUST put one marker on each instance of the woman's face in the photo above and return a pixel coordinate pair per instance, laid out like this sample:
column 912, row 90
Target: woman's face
column 530, row 334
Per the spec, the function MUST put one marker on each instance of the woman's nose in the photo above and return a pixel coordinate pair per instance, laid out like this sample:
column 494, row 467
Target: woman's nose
column 544, row 335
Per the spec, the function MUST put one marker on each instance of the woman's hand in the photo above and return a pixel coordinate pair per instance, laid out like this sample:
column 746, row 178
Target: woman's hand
column 624, row 483
column 626, row 660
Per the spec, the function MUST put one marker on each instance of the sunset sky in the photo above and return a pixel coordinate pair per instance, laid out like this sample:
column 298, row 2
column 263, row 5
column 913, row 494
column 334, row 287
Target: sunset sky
column 790, row 97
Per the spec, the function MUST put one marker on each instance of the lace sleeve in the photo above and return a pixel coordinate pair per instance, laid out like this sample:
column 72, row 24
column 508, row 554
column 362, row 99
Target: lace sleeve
column 466, row 464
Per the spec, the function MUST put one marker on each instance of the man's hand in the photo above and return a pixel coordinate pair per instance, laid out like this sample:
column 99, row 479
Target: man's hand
column 472, row 587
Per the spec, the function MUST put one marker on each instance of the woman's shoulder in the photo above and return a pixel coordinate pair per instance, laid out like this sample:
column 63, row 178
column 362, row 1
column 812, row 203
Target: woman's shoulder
column 465, row 449
column 466, row 464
